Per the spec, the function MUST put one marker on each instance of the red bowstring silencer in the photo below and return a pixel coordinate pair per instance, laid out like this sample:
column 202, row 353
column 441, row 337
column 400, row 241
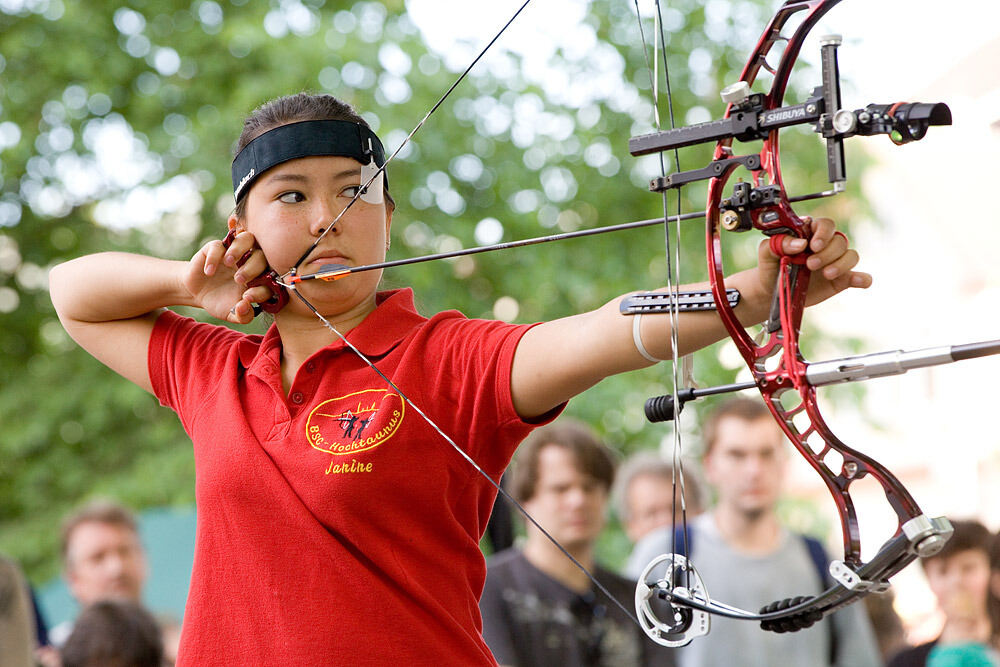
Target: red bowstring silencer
column 269, row 279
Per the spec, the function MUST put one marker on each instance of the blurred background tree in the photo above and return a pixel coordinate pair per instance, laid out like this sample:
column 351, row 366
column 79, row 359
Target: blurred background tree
column 117, row 122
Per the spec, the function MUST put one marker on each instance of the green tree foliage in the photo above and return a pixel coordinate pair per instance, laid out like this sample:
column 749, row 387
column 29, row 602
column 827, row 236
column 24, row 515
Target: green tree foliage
column 116, row 127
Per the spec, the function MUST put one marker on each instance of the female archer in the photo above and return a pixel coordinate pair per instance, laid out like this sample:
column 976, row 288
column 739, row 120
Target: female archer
column 335, row 524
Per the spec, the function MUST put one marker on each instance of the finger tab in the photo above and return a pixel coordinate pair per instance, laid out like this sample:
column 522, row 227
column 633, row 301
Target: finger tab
column 279, row 297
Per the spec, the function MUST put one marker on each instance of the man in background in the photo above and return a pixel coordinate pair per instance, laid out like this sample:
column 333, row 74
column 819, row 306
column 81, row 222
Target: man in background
column 103, row 558
column 647, row 495
column 538, row 607
column 748, row 559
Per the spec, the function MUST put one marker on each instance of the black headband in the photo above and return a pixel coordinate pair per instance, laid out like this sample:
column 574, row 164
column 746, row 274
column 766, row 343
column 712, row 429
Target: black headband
column 303, row 139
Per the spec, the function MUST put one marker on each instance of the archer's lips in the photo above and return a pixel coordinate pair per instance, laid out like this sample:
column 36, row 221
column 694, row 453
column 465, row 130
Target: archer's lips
column 329, row 259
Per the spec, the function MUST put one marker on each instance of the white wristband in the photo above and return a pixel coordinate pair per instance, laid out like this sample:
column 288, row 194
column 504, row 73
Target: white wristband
column 637, row 339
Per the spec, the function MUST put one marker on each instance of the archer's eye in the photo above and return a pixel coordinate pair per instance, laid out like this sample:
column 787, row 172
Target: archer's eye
column 293, row 197
column 350, row 191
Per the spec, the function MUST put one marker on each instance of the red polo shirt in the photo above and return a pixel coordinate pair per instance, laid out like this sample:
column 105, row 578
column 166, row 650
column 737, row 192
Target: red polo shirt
column 335, row 527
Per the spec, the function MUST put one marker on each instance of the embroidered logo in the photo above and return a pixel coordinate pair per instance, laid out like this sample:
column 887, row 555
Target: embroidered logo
column 354, row 423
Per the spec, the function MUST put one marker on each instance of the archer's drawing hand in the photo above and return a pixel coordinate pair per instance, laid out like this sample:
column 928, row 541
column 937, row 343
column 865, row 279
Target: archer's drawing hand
column 831, row 262
column 219, row 286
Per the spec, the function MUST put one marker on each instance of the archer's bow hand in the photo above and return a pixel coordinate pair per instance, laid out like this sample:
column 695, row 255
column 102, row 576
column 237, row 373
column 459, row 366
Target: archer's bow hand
column 829, row 258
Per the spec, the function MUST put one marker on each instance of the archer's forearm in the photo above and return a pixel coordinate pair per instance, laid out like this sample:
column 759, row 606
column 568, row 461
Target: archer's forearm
column 559, row 359
column 699, row 329
column 114, row 286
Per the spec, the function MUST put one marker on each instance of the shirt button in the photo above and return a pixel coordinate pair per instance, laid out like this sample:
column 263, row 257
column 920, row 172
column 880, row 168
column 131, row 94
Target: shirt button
column 297, row 398
column 311, row 366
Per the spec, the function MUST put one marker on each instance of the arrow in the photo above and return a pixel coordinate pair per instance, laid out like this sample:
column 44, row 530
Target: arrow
column 331, row 272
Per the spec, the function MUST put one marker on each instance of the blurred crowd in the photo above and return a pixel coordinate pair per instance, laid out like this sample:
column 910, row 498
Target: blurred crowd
column 105, row 568
column 540, row 607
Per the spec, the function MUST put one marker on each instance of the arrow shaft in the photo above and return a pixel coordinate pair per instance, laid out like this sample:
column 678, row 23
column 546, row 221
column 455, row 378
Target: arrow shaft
column 342, row 271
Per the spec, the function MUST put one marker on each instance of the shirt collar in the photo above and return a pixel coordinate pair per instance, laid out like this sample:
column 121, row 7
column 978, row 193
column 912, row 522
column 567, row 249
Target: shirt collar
column 394, row 317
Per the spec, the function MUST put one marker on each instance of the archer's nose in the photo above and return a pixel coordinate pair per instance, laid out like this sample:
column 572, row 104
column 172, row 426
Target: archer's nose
column 321, row 224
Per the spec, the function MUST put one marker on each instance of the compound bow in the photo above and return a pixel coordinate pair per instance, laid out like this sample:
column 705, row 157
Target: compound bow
column 785, row 380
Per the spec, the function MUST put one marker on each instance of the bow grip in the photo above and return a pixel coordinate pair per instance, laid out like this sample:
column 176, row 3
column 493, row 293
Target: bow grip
column 269, row 279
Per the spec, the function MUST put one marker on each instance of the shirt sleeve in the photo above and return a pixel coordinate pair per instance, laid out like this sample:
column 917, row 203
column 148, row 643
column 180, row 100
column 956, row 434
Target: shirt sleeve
column 185, row 360
column 472, row 383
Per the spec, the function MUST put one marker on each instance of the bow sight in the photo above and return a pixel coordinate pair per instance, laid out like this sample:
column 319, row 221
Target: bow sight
column 749, row 119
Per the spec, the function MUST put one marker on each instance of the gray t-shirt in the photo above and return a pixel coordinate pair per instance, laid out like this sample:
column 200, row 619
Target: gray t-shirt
column 750, row 582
